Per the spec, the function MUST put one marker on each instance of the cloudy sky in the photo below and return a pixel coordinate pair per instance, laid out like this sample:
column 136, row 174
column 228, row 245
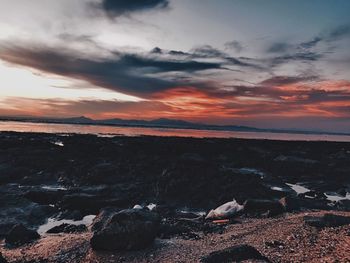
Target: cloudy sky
column 271, row 63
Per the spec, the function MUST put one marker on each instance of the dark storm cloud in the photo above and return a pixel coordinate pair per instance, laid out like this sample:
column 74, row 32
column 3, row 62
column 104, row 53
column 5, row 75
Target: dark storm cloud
column 121, row 72
column 337, row 33
column 178, row 53
column 311, row 43
column 279, row 47
column 334, row 34
column 235, row 45
column 304, row 51
column 307, row 56
column 122, row 7
column 280, row 89
column 156, row 50
column 286, row 53
column 208, row 52
column 159, row 66
column 285, row 80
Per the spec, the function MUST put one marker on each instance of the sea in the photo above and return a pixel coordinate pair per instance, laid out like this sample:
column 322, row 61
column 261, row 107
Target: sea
column 108, row 131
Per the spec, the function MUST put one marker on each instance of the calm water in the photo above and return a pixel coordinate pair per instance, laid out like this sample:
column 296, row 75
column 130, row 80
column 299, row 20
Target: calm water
column 136, row 131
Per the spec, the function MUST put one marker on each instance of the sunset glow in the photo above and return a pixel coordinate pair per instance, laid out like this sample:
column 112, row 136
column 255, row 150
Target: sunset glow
column 141, row 64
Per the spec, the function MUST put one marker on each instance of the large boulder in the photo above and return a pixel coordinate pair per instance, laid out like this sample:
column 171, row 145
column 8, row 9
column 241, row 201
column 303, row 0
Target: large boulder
column 20, row 235
column 327, row 220
column 103, row 216
column 234, row 254
column 128, row 229
column 258, row 207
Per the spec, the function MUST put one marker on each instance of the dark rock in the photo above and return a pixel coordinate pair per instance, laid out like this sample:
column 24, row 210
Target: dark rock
column 168, row 230
column 192, row 157
column 67, row 228
column 103, row 216
column 234, row 254
column 342, row 192
column 327, row 220
column 314, row 195
column 2, row 259
column 90, row 203
column 18, row 210
column 126, row 230
column 318, row 204
column 103, row 173
column 290, row 203
column 343, row 205
column 44, row 197
column 256, row 207
column 20, row 235
column 72, row 215
column 38, row 213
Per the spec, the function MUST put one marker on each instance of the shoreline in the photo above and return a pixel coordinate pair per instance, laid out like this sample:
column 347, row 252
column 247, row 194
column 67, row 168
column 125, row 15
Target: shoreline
column 46, row 176
column 113, row 130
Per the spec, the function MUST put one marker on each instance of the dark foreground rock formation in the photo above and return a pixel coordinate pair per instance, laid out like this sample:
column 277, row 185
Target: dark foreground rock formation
column 126, row 230
column 20, row 235
column 234, row 254
column 185, row 178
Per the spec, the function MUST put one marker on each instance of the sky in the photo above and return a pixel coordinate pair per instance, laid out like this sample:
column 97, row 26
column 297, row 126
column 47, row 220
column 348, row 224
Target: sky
column 269, row 64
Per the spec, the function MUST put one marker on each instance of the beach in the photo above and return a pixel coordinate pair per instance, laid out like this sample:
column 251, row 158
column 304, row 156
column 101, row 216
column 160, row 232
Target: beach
column 50, row 179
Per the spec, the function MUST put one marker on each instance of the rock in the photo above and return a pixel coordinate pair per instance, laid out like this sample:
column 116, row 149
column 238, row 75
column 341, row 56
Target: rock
column 17, row 210
column 290, row 203
column 43, row 196
column 2, row 259
column 91, row 203
column 69, row 214
column 314, row 195
column 128, row 229
column 67, row 228
column 318, row 204
column 103, row 216
column 327, row 220
column 234, row 254
column 192, row 157
column 257, row 207
column 225, row 211
column 102, row 173
column 20, row 235
column 342, row 192
column 343, row 205
column 168, row 230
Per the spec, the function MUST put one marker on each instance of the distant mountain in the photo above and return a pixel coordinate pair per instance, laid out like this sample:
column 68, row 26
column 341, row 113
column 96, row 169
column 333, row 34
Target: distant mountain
column 159, row 123
column 81, row 119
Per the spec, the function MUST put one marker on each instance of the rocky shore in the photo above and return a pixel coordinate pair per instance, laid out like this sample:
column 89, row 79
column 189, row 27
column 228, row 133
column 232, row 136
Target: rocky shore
column 150, row 196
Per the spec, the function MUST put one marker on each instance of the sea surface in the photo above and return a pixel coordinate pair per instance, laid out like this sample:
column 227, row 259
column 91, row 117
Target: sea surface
column 139, row 131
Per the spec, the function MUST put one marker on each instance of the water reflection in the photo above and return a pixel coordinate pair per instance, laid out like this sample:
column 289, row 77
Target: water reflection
column 137, row 131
